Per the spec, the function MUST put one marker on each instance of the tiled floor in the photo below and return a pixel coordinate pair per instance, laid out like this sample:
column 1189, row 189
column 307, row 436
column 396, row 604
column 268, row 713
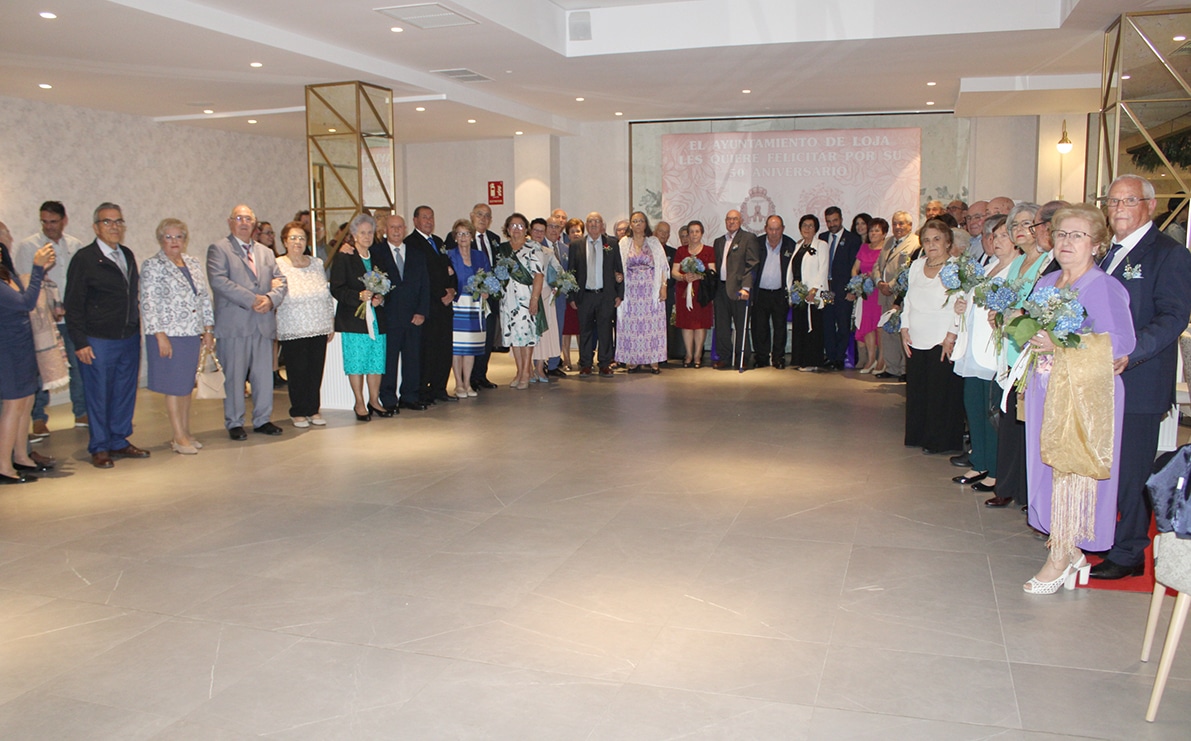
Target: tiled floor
column 692, row 556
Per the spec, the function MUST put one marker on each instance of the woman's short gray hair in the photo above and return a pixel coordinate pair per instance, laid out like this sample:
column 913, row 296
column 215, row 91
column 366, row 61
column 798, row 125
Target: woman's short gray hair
column 360, row 220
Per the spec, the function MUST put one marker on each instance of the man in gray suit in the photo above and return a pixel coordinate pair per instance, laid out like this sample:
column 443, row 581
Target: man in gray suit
column 247, row 287
column 736, row 255
column 896, row 254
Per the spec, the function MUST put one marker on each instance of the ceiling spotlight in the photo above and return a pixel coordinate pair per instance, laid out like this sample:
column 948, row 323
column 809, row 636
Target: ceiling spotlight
column 419, row 109
column 1180, row 37
column 518, row 133
column 1126, row 77
column 252, row 120
column 208, row 111
column 471, row 120
column 746, row 91
column 256, row 64
column 331, row 131
column 931, row 84
column 618, row 113
column 47, row 15
column 930, row 102
column 396, row 29
column 579, row 100
column 46, row 86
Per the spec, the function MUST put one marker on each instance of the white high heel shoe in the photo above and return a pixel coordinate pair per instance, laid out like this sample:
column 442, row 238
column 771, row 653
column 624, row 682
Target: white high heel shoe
column 1081, row 570
column 1066, row 580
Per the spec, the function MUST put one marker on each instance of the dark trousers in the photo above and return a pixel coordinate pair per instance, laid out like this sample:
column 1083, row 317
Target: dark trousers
column 479, row 370
column 597, row 314
column 770, row 309
column 436, row 351
column 403, row 344
column 1139, row 446
column 984, row 435
column 305, row 359
column 837, row 328
column 730, row 312
column 934, row 401
column 109, row 384
column 806, row 337
column 1011, row 453
column 78, row 404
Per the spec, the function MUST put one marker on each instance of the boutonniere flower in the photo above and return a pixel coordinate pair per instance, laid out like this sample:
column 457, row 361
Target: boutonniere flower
column 1131, row 272
column 607, row 247
column 811, row 251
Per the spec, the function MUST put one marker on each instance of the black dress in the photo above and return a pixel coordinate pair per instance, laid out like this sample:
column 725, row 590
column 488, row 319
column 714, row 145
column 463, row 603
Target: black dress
column 19, row 376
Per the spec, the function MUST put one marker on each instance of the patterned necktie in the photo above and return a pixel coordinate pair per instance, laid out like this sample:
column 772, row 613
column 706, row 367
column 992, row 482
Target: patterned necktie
column 248, row 255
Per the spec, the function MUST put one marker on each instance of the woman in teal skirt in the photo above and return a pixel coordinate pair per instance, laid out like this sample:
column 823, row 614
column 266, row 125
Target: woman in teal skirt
column 363, row 338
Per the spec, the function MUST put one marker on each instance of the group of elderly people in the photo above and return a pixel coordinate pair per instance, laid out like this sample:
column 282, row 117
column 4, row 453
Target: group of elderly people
column 1062, row 382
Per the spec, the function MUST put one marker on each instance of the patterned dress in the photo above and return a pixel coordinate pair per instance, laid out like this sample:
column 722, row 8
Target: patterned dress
column 641, row 327
column 467, row 337
column 517, row 326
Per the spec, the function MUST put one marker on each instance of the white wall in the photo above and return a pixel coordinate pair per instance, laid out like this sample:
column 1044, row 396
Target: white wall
column 595, row 172
column 451, row 177
column 1051, row 164
column 1005, row 157
column 83, row 157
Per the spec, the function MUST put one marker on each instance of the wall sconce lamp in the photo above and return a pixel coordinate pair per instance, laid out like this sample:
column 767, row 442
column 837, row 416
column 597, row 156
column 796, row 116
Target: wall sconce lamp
column 1064, row 146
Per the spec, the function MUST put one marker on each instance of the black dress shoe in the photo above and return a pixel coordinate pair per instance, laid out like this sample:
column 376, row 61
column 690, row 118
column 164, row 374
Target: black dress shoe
column 363, row 417
column 20, row 478
column 446, row 397
column 35, row 468
column 983, row 487
column 278, row 381
column 961, row 461
column 557, row 373
column 969, row 479
column 237, row 433
column 883, row 374
column 268, row 428
column 779, row 364
column 417, row 406
column 998, row 502
column 384, row 413
column 901, row 378
column 1109, row 570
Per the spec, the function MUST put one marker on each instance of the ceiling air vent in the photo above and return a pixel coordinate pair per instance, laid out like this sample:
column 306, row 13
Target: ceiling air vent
column 461, row 75
column 426, row 15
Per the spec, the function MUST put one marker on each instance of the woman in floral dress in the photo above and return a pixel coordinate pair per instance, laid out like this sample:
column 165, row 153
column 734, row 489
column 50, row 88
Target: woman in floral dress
column 641, row 317
column 521, row 302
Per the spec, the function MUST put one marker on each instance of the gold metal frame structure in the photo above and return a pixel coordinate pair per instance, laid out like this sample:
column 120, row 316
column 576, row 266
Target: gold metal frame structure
column 1146, row 102
column 350, row 151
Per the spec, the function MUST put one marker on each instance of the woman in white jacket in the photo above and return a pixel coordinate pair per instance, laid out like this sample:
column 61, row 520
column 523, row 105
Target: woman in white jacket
column 178, row 318
column 809, row 266
column 641, row 317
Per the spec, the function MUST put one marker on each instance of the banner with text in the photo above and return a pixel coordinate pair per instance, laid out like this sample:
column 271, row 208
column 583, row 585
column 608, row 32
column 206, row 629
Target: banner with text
column 789, row 173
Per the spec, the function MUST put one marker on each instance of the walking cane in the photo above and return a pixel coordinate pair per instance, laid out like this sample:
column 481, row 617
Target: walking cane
column 745, row 338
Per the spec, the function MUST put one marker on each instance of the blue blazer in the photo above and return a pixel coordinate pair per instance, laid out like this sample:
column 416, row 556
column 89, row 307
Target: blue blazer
column 411, row 290
column 1160, row 302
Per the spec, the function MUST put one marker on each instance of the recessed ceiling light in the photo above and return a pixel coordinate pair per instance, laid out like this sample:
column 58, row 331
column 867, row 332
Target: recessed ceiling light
column 396, row 29
column 331, row 131
column 255, row 64
column 208, row 111
column 252, row 120
column 419, row 109
column 471, row 120
column 508, row 71
column 618, row 113
column 1126, row 77
column 518, row 133
column 930, row 102
column 931, row 84
column 579, row 100
column 46, row 86
column 1161, row 174
column 1180, row 38
column 47, row 15
column 746, row 91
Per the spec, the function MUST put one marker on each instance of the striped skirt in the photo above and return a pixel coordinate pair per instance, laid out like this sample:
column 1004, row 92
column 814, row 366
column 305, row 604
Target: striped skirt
column 468, row 330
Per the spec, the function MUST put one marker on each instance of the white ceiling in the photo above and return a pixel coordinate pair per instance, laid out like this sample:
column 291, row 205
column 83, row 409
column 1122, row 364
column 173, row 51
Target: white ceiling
column 647, row 59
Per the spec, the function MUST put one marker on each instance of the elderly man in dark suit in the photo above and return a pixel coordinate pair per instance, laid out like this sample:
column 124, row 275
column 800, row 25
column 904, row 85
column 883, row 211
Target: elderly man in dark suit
column 1156, row 271
column 737, row 253
column 600, row 275
column 247, row 286
column 771, row 300
column 405, row 309
column 104, row 321
column 843, row 246
column 437, row 332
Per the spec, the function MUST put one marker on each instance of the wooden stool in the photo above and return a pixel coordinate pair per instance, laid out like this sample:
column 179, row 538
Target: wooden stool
column 1172, row 568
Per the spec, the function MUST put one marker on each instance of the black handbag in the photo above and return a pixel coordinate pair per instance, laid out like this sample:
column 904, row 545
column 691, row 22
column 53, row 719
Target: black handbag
column 708, row 287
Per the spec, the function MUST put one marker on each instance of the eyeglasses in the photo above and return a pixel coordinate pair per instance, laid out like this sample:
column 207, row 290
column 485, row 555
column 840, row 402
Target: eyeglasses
column 109, row 223
column 461, row 235
column 268, row 233
column 245, row 219
column 520, row 227
column 1075, row 236
column 1022, row 225
column 1038, row 224
column 1128, row 202
column 296, row 238
column 173, row 237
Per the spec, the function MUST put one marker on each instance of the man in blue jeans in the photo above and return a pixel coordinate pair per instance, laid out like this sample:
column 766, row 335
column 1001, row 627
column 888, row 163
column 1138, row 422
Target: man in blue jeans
column 53, row 226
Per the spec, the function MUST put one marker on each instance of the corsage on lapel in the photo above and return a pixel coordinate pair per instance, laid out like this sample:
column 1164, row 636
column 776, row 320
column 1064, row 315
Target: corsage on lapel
column 811, row 251
column 607, row 247
column 1131, row 272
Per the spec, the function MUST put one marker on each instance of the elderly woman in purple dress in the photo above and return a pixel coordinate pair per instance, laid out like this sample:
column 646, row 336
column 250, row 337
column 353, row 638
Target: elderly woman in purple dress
column 641, row 317
column 1076, row 505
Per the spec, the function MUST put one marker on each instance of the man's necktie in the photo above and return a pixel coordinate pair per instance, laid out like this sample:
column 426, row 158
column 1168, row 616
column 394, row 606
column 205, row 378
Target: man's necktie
column 1106, row 263
column 399, row 258
column 834, row 241
column 248, row 256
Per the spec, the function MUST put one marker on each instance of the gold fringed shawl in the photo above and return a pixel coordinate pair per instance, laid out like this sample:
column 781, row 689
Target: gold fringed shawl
column 1078, row 422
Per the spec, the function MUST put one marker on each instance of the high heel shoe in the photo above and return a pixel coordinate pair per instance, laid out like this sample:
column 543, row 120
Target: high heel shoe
column 363, row 417
column 869, row 369
column 1081, row 569
column 1076, row 570
column 183, row 449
